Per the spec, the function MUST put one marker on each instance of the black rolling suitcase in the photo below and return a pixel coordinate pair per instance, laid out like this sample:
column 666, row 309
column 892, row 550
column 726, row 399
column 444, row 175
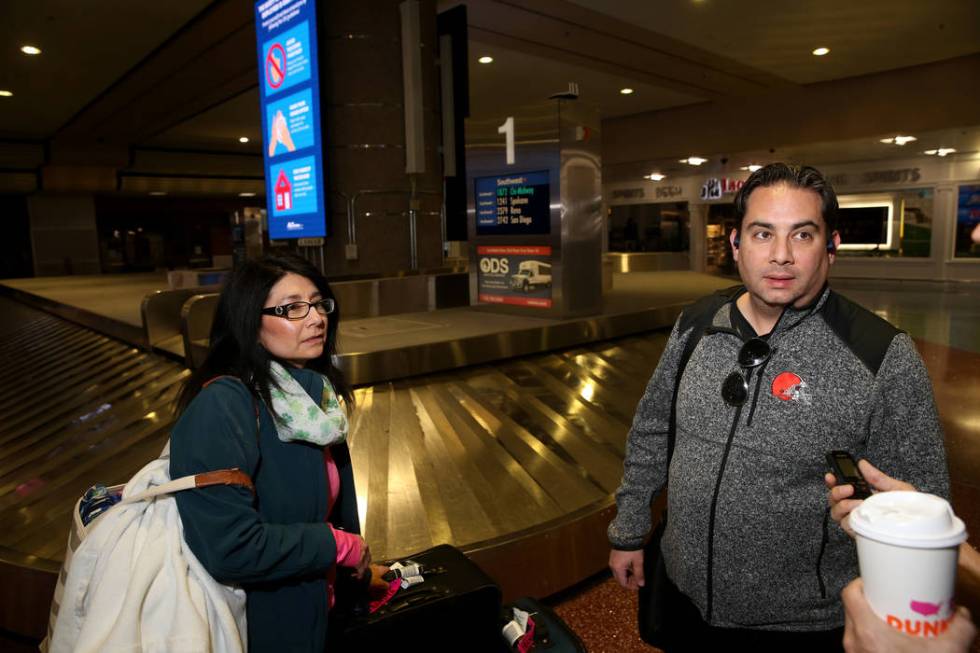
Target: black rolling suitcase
column 456, row 608
column 551, row 633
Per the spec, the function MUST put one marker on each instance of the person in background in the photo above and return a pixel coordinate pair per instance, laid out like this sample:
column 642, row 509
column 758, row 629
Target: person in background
column 865, row 631
column 269, row 401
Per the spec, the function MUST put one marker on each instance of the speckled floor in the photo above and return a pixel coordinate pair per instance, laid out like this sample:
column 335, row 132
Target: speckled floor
column 603, row 614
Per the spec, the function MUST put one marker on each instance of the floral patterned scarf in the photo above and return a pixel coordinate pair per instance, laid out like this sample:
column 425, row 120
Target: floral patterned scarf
column 299, row 418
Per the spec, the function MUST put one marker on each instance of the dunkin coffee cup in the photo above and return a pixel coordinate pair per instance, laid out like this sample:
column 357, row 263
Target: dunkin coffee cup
column 907, row 545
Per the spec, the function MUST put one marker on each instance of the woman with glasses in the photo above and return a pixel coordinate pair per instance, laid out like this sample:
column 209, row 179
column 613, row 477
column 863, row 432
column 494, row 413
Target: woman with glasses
column 269, row 401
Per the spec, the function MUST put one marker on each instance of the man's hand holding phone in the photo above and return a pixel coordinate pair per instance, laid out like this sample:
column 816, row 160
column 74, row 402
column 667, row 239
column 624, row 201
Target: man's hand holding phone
column 841, row 495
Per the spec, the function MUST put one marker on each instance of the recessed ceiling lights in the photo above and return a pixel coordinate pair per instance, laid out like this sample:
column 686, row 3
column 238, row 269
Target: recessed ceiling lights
column 485, row 59
column 694, row 160
column 626, row 91
column 899, row 140
column 655, row 176
column 752, row 167
column 819, row 52
column 5, row 93
column 243, row 139
column 246, row 194
column 158, row 193
column 942, row 151
column 30, row 49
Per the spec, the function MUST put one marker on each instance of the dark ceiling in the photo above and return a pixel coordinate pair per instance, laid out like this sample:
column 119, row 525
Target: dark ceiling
column 182, row 73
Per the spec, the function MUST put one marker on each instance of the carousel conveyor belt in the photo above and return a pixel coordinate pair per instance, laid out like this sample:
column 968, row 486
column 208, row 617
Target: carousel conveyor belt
column 514, row 461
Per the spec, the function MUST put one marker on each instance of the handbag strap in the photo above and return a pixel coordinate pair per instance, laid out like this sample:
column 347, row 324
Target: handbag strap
column 232, row 476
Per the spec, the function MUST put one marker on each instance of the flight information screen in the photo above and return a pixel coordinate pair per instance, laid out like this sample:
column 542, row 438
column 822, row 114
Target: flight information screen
column 515, row 204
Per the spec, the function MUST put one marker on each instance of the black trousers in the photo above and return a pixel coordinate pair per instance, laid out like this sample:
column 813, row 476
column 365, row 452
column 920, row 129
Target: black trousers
column 687, row 631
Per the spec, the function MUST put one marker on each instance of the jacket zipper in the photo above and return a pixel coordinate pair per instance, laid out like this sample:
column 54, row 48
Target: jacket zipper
column 714, row 506
column 823, row 546
column 758, row 385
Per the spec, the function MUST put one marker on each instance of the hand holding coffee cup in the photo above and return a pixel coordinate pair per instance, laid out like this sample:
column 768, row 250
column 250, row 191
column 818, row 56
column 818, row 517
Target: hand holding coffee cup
column 865, row 632
column 908, row 543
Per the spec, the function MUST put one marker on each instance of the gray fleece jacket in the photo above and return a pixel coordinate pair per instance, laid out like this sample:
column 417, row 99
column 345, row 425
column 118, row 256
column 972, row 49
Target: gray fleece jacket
column 749, row 539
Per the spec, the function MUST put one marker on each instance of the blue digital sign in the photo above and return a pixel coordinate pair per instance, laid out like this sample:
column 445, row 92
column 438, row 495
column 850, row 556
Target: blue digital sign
column 290, row 99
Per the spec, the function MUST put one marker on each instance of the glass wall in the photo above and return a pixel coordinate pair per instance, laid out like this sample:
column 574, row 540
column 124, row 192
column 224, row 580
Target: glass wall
column 968, row 222
column 649, row 228
column 718, row 254
column 893, row 224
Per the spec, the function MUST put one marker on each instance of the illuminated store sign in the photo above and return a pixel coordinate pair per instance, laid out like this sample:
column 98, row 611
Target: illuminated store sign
column 517, row 204
column 290, row 100
column 897, row 176
column 639, row 193
column 714, row 189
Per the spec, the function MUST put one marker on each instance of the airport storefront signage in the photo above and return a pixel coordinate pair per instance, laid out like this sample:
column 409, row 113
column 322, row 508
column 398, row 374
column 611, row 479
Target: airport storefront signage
column 657, row 192
column 289, row 91
column 875, row 177
column 715, row 188
column 514, row 274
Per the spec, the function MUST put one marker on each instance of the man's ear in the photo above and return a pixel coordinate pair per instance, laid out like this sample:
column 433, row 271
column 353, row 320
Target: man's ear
column 833, row 244
column 734, row 240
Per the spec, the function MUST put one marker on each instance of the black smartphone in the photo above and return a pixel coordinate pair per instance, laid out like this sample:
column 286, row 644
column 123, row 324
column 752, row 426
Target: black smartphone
column 844, row 467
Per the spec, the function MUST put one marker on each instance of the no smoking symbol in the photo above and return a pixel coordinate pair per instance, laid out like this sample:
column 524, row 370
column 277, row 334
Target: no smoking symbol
column 275, row 65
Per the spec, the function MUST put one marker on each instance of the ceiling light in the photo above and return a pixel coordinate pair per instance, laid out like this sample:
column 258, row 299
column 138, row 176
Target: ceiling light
column 158, row 193
column 655, row 176
column 30, row 49
column 899, row 140
column 243, row 139
column 5, row 93
column 485, row 59
column 626, row 91
column 942, row 151
column 752, row 167
column 246, row 194
column 694, row 160
column 819, row 52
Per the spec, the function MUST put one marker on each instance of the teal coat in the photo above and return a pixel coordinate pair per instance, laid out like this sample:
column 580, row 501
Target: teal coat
column 275, row 544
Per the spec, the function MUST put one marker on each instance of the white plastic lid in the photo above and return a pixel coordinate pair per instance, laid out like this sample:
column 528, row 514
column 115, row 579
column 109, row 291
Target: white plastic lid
column 912, row 519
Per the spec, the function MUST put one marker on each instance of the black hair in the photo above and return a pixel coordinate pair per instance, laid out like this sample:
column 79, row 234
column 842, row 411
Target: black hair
column 803, row 177
column 235, row 349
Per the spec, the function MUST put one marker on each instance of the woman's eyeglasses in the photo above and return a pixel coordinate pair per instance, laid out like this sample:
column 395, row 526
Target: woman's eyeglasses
column 299, row 310
column 735, row 389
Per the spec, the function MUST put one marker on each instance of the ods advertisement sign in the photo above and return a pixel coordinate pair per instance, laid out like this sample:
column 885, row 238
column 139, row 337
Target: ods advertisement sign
column 519, row 275
column 290, row 98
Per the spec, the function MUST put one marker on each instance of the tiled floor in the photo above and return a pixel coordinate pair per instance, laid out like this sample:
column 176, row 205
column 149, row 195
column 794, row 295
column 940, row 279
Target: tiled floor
column 943, row 314
column 945, row 322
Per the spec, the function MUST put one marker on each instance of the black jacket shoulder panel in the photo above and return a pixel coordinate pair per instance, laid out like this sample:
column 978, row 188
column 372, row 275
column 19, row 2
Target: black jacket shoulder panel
column 865, row 334
column 704, row 309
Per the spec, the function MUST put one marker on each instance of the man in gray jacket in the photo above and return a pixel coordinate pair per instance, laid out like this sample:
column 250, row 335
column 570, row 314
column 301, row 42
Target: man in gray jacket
column 782, row 371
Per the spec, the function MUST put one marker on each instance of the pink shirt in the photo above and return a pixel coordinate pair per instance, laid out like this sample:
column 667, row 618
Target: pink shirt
column 348, row 544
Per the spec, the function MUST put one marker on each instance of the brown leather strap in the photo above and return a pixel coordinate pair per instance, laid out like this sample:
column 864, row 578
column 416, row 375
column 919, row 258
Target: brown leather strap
column 233, row 476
